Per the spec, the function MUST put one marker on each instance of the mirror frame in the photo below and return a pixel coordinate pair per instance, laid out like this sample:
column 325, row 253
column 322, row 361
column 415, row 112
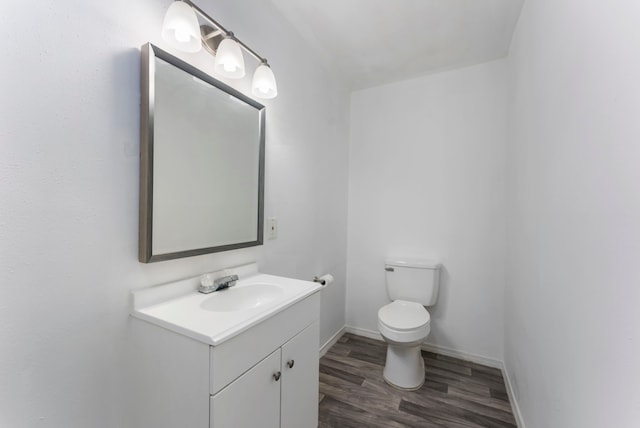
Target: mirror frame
column 149, row 53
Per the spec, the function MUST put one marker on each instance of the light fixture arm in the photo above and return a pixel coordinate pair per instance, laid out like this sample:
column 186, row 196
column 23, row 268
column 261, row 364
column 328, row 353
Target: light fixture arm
column 212, row 34
column 223, row 30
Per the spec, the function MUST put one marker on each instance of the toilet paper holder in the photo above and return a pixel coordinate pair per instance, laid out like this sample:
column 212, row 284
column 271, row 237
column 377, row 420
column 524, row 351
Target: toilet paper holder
column 323, row 280
column 319, row 280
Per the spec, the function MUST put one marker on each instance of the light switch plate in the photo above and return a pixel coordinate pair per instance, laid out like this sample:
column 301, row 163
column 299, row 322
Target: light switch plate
column 272, row 228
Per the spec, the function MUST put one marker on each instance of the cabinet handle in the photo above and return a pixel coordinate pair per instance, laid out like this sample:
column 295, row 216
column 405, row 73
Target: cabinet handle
column 276, row 376
column 290, row 363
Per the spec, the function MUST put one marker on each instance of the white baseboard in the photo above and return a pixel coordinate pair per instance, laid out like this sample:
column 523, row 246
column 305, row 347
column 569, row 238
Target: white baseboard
column 332, row 341
column 512, row 398
column 474, row 358
column 466, row 356
column 362, row 332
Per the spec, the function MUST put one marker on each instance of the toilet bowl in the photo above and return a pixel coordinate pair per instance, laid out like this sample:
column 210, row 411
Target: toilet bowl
column 404, row 325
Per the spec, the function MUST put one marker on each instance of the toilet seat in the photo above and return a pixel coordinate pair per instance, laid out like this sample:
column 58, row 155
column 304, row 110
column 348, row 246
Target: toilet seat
column 403, row 322
column 403, row 315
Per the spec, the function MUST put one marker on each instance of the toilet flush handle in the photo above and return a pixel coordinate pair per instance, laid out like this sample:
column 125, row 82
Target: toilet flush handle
column 389, row 269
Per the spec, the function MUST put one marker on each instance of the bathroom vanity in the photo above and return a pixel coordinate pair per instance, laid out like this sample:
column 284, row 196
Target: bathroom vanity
column 242, row 357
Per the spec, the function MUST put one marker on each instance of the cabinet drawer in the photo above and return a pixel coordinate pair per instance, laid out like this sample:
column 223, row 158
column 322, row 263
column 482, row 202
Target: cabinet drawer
column 237, row 355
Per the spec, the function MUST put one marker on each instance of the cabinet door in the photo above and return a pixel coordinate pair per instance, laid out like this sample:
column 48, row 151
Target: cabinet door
column 300, row 380
column 252, row 400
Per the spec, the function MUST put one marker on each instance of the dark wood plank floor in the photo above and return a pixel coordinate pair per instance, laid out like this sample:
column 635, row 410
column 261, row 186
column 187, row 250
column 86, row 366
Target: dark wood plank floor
column 456, row 393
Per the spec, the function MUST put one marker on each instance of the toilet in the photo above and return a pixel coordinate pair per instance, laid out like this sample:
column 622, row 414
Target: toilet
column 405, row 323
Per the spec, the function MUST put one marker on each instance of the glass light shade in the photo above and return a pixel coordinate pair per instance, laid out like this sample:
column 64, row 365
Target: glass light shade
column 229, row 61
column 264, row 82
column 180, row 28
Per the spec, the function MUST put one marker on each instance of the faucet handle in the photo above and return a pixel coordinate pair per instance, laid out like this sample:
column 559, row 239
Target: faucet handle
column 206, row 280
column 206, row 284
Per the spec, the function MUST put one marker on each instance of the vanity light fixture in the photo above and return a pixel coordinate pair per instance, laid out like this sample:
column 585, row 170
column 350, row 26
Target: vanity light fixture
column 181, row 29
column 229, row 61
column 264, row 82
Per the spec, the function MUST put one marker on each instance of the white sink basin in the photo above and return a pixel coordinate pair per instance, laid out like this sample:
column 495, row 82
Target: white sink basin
column 243, row 297
column 215, row 318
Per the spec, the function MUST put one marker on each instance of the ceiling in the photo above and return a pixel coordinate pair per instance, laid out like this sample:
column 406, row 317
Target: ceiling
column 373, row 42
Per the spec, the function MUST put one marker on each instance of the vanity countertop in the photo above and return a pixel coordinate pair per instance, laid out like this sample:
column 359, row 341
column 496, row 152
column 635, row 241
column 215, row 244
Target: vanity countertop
column 179, row 307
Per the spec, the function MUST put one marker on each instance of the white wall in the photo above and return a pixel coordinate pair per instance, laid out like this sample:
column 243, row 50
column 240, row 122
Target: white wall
column 572, row 342
column 426, row 179
column 69, row 126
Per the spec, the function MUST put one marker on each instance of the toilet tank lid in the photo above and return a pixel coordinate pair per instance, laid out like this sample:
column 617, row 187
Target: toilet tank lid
column 412, row 263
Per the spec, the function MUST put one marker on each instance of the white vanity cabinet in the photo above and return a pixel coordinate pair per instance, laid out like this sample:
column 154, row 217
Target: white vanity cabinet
column 279, row 391
column 300, row 380
column 265, row 375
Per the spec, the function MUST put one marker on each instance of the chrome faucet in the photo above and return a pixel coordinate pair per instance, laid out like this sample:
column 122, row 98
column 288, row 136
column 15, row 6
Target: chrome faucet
column 218, row 284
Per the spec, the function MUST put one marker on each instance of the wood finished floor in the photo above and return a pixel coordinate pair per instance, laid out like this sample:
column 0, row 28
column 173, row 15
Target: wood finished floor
column 456, row 393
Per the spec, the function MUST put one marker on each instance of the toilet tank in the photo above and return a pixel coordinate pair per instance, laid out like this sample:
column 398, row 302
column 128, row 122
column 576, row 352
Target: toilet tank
column 414, row 280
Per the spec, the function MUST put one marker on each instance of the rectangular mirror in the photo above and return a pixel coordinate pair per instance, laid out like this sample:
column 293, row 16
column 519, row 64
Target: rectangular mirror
column 202, row 162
